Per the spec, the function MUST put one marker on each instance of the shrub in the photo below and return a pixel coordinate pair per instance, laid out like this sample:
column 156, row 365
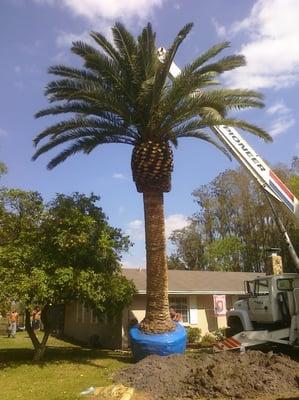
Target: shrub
column 193, row 334
column 208, row 340
column 219, row 334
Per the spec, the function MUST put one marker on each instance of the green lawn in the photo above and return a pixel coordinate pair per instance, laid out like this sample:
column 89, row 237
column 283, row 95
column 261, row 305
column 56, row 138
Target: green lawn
column 66, row 371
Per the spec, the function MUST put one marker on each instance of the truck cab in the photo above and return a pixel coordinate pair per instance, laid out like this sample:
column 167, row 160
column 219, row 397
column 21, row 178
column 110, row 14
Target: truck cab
column 268, row 304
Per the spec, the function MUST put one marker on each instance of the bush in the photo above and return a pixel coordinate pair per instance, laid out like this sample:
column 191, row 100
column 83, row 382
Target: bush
column 219, row 334
column 193, row 335
column 208, row 340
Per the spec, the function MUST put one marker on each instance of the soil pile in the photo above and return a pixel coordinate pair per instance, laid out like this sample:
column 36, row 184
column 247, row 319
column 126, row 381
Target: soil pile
column 221, row 375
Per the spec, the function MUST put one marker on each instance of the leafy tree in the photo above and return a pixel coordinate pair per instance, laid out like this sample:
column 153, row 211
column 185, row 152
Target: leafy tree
column 224, row 254
column 235, row 226
column 295, row 165
column 59, row 252
column 3, row 169
column 190, row 248
column 123, row 95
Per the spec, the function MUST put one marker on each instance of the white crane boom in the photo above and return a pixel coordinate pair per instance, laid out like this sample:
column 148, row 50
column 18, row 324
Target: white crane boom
column 245, row 154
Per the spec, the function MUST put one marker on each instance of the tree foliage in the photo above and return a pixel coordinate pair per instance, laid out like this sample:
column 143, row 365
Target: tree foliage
column 3, row 169
column 234, row 225
column 59, row 252
column 189, row 248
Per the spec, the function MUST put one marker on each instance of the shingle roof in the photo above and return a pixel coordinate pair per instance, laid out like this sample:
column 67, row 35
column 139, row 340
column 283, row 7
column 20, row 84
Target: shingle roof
column 201, row 282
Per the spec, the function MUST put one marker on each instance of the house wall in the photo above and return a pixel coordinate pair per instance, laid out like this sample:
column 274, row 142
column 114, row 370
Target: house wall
column 201, row 313
column 81, row 324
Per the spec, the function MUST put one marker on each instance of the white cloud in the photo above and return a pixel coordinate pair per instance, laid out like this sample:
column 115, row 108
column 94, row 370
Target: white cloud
column 280, row 125
column 101, row 14
column 65, row 39
column 3, row 132
column 108, row 9
column 136, row 230
column 272, row 50
column 220, row 29
column 283, row 118
column 117, row 175
column 175, row 221
column 279, row 108
column 112, row 9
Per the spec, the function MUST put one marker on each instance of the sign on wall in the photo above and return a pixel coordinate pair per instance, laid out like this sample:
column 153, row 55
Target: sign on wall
column 219, row 304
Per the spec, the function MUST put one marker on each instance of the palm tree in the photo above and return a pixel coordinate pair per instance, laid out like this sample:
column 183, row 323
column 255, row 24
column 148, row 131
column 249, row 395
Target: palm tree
column 123, row 95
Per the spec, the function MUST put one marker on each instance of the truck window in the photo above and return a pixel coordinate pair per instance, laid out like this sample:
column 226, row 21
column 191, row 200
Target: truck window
column 249, row 287
column 261, row 287
column 285, row 284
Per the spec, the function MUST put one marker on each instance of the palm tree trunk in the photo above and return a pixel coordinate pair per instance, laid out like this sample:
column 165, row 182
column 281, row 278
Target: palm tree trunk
column 157, row 318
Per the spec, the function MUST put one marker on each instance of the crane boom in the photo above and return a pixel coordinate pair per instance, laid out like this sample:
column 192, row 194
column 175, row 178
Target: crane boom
column 262, row 173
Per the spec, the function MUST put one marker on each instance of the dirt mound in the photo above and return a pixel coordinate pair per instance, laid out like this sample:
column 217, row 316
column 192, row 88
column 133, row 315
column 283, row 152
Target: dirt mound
column 222, row 375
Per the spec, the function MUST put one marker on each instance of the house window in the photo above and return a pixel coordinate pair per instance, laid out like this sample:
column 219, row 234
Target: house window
column 180, row 305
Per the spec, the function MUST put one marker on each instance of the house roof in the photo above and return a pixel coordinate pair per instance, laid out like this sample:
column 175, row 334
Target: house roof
column 196, row 282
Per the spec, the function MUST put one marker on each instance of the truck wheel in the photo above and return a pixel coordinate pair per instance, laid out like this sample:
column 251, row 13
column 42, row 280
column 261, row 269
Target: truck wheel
column 234, row 326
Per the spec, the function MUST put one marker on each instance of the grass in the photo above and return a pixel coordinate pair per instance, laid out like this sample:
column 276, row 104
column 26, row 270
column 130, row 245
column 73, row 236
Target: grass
column 66, row 370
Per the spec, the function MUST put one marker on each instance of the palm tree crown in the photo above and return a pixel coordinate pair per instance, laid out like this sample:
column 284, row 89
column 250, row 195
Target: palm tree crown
column 123, row 95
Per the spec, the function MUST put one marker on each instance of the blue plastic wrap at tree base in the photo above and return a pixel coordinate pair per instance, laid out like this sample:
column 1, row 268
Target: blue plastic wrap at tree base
column 162, row 344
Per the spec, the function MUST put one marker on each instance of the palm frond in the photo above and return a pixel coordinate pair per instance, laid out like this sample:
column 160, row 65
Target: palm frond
column 122, row 94
column 65, row 89
column 225, row 64
column 246, row 126
column 146, row 53
column 207, row 138
column 85, row 145
column 73, row 73
column 207, row 55
column 107, row 136
column 105, row 45
column 107, row 70
column 125, row 43
column 102, row 125
column 78, row 107
column 88, row 92
column 163, row 69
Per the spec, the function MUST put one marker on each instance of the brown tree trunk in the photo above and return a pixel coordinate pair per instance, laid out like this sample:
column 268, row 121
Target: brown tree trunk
column 157, row 318
column 39, row 347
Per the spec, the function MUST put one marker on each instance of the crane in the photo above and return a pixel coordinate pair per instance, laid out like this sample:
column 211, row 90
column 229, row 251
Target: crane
column 272, row 186
column 270, row 311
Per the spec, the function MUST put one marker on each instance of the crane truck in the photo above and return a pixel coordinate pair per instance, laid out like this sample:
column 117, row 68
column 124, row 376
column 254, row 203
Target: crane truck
column 269, row 311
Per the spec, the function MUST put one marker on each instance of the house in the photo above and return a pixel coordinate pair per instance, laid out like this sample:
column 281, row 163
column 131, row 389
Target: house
column 191, row 293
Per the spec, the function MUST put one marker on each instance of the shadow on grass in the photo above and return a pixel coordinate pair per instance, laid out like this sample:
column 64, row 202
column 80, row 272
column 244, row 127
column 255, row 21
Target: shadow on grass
column 14, row 357
column 288, row 398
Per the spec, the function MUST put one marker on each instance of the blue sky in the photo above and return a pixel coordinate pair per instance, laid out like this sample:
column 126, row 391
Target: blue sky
column 38, row 33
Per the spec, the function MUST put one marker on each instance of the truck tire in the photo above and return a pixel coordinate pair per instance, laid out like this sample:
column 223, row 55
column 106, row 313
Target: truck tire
column 234, row 326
